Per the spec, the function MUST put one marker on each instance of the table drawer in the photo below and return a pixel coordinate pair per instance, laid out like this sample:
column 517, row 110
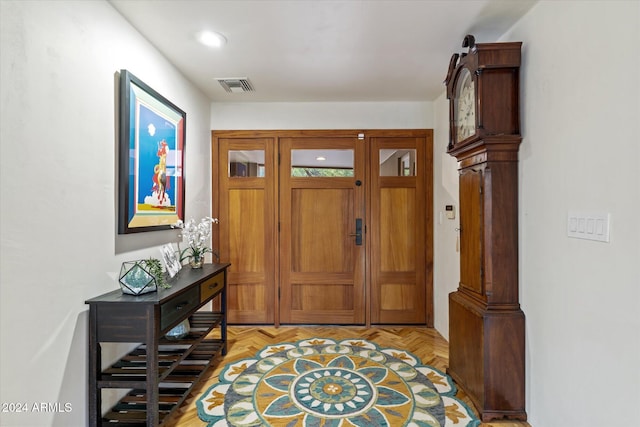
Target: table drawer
column 178, row 307
column 211, row 286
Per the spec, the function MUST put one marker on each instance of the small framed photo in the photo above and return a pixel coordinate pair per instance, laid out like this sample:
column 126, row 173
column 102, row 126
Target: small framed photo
column 406, row 165
column 170, row 258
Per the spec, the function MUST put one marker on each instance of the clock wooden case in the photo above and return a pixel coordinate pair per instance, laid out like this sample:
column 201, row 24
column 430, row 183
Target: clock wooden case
column 486, row 323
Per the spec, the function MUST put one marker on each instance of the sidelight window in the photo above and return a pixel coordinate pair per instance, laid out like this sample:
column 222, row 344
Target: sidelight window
column 246, row 163
column 398, row 162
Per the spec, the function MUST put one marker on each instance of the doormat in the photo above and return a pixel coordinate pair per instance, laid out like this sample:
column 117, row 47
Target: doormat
column 323, row 382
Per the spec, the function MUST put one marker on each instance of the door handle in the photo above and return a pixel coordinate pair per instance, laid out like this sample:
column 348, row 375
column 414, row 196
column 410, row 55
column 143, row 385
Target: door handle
column 358, row 233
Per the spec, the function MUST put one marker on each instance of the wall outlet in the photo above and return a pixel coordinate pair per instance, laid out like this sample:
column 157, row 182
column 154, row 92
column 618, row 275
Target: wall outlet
column 588, row 225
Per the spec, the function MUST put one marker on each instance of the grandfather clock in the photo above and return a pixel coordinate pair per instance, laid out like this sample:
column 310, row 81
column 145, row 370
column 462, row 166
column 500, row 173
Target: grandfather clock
column 486, row 324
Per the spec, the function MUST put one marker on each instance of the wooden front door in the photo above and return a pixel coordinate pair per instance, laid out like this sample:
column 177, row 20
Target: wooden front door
column 322, row 225
column 247, row 182
column 345, row 241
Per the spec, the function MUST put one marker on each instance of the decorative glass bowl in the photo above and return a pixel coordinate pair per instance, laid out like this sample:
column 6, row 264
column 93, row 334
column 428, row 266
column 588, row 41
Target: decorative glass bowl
column 136, row 279
column 180, row 331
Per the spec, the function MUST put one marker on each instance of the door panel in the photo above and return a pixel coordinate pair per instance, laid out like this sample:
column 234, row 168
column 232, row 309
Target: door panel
column 400, row 204
column 247, row 182
column 397, row 229
column 471, row 208
column 321, row 266
column 246, row 229
column 318, row 218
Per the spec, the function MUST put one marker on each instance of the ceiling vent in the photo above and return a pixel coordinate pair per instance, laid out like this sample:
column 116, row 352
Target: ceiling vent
column 236, row 84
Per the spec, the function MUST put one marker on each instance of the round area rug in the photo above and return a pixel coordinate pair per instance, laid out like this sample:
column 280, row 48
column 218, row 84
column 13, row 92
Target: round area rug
column 322, row 382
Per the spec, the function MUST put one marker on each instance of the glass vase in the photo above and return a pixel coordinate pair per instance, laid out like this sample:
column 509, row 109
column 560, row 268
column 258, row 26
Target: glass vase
column 196, row 261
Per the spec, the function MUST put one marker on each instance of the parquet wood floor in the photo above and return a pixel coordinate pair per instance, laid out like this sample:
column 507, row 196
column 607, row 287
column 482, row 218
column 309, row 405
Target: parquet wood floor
column 246, row 341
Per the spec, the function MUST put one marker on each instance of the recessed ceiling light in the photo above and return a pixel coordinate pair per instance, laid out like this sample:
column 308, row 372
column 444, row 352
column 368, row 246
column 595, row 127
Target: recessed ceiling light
column 211, row 38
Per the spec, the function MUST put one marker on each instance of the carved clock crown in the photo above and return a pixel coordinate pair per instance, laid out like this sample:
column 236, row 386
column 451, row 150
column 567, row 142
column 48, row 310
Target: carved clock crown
column 494, row 70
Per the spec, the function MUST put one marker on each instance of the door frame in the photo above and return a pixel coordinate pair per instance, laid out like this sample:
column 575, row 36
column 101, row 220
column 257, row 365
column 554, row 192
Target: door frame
column 366, row 134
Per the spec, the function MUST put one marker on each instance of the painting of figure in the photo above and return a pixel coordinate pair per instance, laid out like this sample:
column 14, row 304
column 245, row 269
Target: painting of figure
column 154, row 153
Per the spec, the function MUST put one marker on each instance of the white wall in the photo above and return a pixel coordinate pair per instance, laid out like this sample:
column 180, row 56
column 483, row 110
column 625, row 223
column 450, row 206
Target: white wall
column 321, row 115
column 58, row 214
column 580, row 152
column 580, row 122
column 446, row 254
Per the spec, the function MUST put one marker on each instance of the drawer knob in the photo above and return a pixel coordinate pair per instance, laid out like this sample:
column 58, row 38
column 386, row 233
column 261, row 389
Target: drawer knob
column 181, row 305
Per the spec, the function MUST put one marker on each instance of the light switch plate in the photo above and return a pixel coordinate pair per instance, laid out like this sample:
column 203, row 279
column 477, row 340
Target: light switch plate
column 589, row 225
column 451, row 211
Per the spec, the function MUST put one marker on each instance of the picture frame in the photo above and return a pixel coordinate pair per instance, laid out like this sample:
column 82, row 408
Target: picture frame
column 406, row 165
column 151, row 158
column 170, row 258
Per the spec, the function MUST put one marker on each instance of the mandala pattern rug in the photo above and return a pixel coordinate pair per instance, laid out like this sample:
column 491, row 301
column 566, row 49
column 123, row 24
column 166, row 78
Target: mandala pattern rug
column 322, row 382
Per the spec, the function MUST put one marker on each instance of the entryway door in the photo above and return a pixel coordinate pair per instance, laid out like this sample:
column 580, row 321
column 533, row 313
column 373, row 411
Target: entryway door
column 325, row 227
column 322, row 251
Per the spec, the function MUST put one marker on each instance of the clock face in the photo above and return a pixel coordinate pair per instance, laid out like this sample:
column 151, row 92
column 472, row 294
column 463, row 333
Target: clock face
column 466, row 106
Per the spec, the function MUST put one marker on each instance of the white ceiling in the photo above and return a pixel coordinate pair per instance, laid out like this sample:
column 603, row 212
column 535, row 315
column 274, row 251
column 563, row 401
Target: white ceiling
column 320, row 50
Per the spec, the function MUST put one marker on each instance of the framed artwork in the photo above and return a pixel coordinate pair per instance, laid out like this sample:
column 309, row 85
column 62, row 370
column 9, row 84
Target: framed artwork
column 151, row 158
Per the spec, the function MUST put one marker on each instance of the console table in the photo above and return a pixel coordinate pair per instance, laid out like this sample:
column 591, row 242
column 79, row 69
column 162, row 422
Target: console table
column 159, row 372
